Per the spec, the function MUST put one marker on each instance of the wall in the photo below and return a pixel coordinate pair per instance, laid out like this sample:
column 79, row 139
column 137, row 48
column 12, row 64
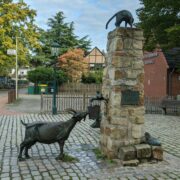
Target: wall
column 176, row 84
column 155, row 68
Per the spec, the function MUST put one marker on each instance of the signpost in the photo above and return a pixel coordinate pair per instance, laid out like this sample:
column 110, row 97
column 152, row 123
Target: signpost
column 14, row 52
column 11, row 52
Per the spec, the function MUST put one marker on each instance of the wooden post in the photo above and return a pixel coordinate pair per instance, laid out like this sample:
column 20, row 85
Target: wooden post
column 84, row 100
column 41, row 102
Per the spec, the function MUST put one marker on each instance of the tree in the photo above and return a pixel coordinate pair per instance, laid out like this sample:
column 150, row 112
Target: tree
column 63, row 33
column 46, row 75
column 16, row 20
column 160, row 21
column 73, row 64
column 92, row 77
column 59, row 32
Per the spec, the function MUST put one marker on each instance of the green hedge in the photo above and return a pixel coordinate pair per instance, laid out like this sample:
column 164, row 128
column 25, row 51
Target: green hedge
column 92, row 77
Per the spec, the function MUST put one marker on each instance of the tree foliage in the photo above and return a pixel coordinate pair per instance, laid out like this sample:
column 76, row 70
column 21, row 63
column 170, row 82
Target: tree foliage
column 46, row 75
column 16, row 20
column 160, row 21
column 62, row 33
column 73, row 64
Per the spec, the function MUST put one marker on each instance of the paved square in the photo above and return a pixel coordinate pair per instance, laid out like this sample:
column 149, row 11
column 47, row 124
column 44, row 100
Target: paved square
column 82, row 140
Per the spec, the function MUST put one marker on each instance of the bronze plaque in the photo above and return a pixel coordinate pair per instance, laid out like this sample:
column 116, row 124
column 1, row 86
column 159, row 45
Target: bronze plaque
column 130, row 97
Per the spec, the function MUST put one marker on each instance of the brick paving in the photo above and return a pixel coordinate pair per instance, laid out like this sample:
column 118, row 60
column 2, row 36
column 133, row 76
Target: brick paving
column 81, row 143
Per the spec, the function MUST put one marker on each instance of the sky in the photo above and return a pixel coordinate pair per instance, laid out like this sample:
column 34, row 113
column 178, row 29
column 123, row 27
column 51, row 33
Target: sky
column 89, row 16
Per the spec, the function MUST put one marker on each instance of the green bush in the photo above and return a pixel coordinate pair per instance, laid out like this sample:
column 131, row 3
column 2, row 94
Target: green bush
column 22, row 82
column 92, row 77
column 44, row 75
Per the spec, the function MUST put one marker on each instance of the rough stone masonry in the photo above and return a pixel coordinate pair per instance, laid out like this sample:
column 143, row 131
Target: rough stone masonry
column 123, row 117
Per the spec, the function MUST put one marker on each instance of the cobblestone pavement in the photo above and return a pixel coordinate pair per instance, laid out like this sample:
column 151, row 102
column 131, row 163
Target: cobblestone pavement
column 82, row 141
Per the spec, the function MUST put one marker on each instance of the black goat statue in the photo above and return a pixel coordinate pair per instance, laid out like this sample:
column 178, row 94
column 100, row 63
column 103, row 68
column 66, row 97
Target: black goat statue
column 49, row 132
column 121, row 16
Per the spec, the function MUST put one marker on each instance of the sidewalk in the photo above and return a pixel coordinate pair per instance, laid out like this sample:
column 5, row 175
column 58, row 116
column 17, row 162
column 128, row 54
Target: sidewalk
column 25, row 104
column 3, row 104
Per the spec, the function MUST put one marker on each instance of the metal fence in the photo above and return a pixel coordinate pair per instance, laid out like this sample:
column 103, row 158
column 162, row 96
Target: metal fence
column 153, row 106
column 80, row 101
column 76, row 101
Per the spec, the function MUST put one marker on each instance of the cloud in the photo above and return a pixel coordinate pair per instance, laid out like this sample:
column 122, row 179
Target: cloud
column 89, row 16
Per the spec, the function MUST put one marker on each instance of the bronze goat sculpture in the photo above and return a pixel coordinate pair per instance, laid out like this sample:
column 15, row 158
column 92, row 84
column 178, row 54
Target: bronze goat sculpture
column 49, row 132
column 120, row 16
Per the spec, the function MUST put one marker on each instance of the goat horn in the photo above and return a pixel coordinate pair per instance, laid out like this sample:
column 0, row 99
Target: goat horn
column 70, row 110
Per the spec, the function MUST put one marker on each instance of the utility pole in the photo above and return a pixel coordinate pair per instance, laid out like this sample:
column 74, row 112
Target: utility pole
column 16, row 67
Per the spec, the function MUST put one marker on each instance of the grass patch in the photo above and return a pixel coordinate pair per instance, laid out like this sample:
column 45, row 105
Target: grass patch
column 100, row 155
column 68, row 158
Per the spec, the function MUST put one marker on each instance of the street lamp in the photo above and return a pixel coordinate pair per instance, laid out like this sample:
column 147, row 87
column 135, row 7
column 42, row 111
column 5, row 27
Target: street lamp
column 54, row 52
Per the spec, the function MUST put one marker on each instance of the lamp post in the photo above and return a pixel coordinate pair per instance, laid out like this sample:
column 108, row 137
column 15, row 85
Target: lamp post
column 15, row 52
column 55, row 53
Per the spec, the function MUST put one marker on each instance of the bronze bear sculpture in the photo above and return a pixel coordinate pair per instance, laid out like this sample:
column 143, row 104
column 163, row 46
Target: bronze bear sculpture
column 49, row 132
column 123, row 15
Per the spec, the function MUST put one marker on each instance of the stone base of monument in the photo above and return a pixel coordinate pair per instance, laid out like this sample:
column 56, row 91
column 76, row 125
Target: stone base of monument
column 141, row 153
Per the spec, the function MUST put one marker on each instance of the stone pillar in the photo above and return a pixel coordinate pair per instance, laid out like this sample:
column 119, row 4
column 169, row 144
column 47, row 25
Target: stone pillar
column 123, row 84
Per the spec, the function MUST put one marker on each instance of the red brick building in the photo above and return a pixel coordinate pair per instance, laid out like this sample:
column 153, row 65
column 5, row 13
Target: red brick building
column 173, row 60
column 155, row 69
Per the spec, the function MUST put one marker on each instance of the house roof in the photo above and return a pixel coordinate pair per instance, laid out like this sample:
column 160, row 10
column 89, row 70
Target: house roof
column 155, row 57
column 94, row 49
column 95, row 56
column 173, row 57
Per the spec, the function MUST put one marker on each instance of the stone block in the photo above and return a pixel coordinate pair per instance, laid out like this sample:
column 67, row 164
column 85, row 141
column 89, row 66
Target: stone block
column 111, row 154
column 125, row 82
column 143, row 151
column 103, row 139
column 140, row 111
column 123, row 121
column 121, row 62
column 116, row 89
column 133, row 73
column 117, row 112
column 138, row 64
column 127, row 153
column 140, row 77
column 137, row 119
column 113, row 144
column 115, row 99
column 138, row 33
column 134, row 162
column 119, row 74
column 111, row 73
column 134, row 53
column 128, row 43
column 118, row 132
column 115, row 45
column 136, row 131
column 137, row 44
column 157, row 153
